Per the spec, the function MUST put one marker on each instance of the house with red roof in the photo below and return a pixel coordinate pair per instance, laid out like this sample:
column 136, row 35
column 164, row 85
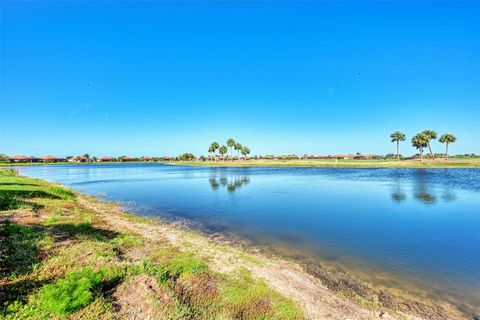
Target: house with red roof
column 23, row 158
column 51, row 158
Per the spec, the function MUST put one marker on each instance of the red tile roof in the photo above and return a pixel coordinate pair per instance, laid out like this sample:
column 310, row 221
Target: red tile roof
column 50, row 158
column 21, row 157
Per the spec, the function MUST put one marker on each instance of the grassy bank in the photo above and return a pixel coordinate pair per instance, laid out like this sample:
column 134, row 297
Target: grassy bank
column 59, row 259
column 350, row 163
column 64, row 255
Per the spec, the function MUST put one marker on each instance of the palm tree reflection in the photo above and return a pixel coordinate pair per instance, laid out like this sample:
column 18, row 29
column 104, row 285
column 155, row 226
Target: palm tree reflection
column 423, row 190
column 232, row 183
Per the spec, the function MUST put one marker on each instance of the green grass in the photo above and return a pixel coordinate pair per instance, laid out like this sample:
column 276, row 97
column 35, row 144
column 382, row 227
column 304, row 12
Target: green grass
column 73, row 292
column 58, row 260
column 16, row 191
column 20, row 249
column 348, row 163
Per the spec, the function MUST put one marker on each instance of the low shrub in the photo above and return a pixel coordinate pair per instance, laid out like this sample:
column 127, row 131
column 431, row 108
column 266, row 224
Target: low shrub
column 73, row 292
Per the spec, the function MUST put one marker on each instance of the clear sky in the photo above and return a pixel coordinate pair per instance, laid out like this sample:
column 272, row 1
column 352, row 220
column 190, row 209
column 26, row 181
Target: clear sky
column 163, row 78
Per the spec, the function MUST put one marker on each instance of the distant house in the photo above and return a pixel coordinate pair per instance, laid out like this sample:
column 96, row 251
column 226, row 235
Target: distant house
column 78, row 159
column 23, row 159
column 341, row 156
column 146, row 158
column 167, row 158
column 105, row 159
column 50, row 158
column 127, row 159
column 364, row 156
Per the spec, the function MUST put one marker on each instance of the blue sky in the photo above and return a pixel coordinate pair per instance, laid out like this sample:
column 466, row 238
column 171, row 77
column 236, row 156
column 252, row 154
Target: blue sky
column 162, row 78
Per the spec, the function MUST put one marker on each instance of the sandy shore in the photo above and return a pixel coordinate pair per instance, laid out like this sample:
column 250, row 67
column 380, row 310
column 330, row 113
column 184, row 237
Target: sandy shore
column 320, row 293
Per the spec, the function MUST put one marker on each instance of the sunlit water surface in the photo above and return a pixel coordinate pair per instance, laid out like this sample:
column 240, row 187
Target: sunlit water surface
column 420, row 225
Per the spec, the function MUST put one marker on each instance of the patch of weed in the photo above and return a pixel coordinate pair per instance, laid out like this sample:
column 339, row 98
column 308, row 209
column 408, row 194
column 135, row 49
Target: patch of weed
column 71, row 293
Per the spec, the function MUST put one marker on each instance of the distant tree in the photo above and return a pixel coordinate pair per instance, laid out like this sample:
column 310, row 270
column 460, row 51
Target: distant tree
column 186, row 157
column 431, row 135
column 447, row 138
column 223, row 149
column 245, row 151
column 420, row 141
column 4, row 158
column 231, row 144
column 213, row 148
column 238, row 148
column 398, row 136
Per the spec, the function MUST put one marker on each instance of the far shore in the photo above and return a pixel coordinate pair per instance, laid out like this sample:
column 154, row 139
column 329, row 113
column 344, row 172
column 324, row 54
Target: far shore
column 340, row 163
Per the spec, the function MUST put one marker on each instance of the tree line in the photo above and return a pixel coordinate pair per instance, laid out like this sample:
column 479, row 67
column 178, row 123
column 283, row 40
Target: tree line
column 223, row 149
column 422, row 140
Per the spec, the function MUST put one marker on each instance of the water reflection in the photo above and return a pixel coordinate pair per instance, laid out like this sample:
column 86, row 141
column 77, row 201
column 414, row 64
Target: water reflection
column 232, row 183
column 448, row 196
column 399, row 196
column 422, row 190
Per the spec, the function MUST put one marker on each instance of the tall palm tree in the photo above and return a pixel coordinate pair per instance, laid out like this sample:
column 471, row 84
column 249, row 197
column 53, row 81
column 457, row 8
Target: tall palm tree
column 213, row 148
column 231, row 144
column 431, row 135
column 245, row 150
column 447, row 138
column 223, row 149
column 398, row 136
column 420, row 141
column 238, row 148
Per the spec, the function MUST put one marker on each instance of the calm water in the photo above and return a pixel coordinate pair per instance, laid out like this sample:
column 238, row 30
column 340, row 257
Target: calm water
column 421, row 225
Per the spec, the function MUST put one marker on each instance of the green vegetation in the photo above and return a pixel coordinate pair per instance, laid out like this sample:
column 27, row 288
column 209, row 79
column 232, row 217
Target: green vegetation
column 429, row 135
column 213, row 149
column 186, row 157
column 420, row 141
column 60, row 259
column 398, row 136
column 75, row 291
column 456, row 162
column 447, row 138
column 223, row 149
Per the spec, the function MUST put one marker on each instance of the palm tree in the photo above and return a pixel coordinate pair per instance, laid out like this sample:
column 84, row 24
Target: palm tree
column 231, row 144
column 447, row 138
column 245, row 150
column 223, row 149
column 431, row 135
column 420, row 141
column 238, row 148
column 398, row 136
column 213, row 148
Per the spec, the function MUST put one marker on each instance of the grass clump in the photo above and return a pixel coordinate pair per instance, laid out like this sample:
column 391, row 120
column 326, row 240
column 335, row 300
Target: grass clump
column 247, row 298
column 73, row 292
column 19, row 248
column 184, row 265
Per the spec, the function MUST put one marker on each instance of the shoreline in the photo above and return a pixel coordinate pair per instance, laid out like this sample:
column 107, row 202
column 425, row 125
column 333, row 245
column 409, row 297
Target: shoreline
column 360, row 164
column 349, row 296
column 307, row 163
column 314, row 288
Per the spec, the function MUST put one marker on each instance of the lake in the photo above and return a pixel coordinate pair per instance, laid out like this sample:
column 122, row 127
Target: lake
column 420, row 226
